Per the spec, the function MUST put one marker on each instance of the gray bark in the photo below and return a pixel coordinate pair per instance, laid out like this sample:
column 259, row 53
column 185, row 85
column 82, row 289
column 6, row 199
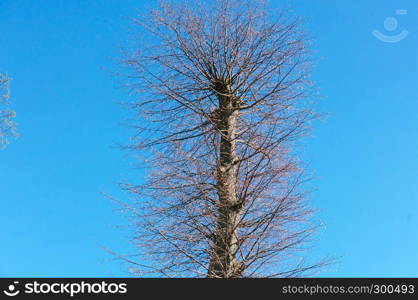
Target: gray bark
column 223, row 263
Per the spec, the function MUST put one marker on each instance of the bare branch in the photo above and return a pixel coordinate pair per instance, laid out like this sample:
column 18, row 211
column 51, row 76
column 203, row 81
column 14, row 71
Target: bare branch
column 223, row 94
column 7, row 125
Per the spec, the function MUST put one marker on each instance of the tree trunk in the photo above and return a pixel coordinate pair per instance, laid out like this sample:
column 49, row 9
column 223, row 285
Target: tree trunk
column 226, row 244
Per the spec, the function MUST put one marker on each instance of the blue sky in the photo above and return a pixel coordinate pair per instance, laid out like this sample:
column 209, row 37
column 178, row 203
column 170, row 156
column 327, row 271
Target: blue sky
column 61, row 55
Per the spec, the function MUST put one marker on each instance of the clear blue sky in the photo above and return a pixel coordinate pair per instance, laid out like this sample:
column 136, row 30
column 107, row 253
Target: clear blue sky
column 61, row 55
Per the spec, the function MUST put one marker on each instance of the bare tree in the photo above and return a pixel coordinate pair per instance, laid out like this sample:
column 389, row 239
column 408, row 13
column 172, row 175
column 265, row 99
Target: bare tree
column 222, row 89
column 7, row 126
